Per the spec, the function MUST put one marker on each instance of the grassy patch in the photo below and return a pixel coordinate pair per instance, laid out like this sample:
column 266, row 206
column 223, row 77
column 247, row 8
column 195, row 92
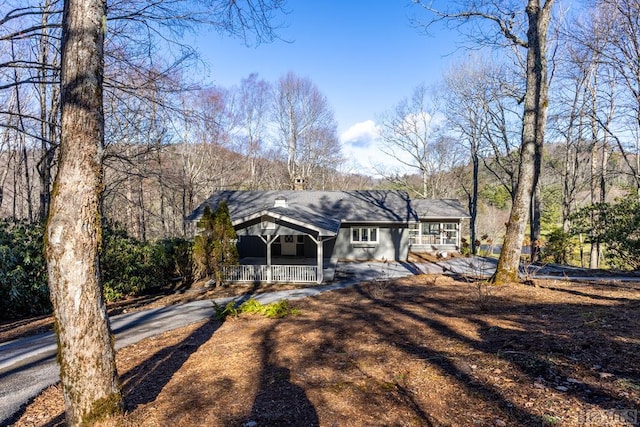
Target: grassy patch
column 252, row 306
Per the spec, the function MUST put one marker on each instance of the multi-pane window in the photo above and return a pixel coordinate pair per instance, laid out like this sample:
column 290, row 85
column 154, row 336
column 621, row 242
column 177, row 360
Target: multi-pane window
column 433, row 233
column 364, row 235
column 430, row 228
column 449, row 233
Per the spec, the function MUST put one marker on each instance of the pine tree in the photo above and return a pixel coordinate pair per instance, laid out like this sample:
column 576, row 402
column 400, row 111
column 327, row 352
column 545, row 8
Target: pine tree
column 215, row 245
column 203, row 245
column 225, row 251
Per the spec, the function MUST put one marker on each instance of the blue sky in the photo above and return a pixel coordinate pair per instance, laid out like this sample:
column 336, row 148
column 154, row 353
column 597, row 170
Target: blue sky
column 364, row 56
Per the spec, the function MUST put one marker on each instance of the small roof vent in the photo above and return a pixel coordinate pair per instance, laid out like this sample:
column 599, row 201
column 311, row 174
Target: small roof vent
column 280, row 202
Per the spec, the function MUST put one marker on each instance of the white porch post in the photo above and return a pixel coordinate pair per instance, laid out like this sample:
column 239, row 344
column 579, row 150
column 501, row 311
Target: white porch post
column 319, row 254
column 268, row 241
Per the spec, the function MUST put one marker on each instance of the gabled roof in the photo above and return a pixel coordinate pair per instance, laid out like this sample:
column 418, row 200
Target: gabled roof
column 439, row 208
column 322, row 225
column 327, row 209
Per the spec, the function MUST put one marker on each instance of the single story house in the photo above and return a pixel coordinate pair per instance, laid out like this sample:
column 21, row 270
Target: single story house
column 287, row 228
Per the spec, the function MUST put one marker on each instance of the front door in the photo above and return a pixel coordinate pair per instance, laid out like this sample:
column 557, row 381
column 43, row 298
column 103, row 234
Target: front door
column 288, row 245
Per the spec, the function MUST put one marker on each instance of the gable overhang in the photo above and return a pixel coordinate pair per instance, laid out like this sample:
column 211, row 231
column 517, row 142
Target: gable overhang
column 245, row 221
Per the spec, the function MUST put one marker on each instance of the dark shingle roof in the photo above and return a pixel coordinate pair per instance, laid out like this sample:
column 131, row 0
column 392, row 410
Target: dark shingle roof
column 439, row 208
column 326, row 209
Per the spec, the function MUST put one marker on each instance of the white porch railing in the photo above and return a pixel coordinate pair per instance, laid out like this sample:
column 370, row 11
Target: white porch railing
column 246, row 273
column 429, row 239
column 279, row 273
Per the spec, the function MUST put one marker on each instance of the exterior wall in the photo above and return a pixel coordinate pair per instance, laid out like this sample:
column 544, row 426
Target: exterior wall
column 254, row 247
column 393, row 244
column 251, row 246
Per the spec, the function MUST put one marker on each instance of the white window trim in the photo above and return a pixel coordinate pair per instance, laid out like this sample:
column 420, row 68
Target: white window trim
column 377, row 231
column 416, row 231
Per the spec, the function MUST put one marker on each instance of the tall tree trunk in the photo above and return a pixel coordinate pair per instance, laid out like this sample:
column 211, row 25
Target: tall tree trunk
column 27, row 177
column 85, row 350
column 594, row 252
column 21, row 137
column 141, row 217
column 10, row 154
column 44, row 166
column 473, row 202
column 534, row 122
column 534, row 224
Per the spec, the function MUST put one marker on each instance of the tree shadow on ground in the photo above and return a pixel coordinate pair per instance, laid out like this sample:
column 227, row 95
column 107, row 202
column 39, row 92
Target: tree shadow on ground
column 143, row 383
column 536, row 349
column 279, row 402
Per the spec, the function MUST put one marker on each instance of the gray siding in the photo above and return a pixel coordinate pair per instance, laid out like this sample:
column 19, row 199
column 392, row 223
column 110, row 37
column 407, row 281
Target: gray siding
column 393, row 244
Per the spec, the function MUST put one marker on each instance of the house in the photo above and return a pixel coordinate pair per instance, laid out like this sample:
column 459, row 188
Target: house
column 281, row 232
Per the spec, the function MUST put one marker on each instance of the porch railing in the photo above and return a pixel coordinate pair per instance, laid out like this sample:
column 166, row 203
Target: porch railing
column 279, row 273
column 428, row 239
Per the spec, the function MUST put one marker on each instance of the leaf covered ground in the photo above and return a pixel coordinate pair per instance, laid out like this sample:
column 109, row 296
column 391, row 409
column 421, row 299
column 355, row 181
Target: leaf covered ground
column 426, row 351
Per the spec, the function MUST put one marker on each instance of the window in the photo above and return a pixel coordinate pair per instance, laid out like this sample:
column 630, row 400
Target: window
column 450, row 231
column 434, row 233
column 432, row 228
column 364, row 235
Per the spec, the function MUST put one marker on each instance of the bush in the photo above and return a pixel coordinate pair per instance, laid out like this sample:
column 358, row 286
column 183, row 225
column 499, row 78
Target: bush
column 128, row 266
column 23, row 277
column 616, row 226
column 273, row 310
column 177, row 258
column 131, row 267
column 215, row 245
column 559, row 247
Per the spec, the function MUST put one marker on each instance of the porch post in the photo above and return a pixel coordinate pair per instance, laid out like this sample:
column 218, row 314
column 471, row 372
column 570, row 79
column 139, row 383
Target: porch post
column 320, row 245
column 319, row 257
column 268, row 241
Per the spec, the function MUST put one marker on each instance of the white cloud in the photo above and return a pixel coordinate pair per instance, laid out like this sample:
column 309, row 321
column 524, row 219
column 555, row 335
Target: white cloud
column 361, row 147
column 362, row 134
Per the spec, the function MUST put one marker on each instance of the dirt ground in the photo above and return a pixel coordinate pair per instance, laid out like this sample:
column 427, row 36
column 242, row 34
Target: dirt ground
column 425, row 351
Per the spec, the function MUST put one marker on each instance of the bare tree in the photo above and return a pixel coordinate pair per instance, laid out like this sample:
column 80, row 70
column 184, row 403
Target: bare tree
column 507, row 19
column 618, row 22
column 467, row 105
column 307, row 131
column 252, row 110
column 73, row 230
column 411, row 135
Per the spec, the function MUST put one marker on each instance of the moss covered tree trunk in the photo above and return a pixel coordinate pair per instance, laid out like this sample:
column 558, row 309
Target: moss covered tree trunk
column 85, row 350
column 534, row 123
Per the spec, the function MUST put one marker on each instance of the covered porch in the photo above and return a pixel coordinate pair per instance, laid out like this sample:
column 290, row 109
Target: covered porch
column 276, row 247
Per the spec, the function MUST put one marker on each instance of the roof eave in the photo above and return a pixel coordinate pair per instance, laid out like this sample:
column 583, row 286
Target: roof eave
column 266, row 212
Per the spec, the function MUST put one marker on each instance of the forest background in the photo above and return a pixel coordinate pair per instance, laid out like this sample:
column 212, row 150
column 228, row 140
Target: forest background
column 170, row 142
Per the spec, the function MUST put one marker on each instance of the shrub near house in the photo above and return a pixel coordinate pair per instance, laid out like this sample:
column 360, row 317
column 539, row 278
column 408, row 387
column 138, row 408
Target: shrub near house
column 128, row 267
column 23, row 277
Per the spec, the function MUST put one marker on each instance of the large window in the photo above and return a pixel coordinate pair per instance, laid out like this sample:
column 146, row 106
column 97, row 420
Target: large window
column 364, row 235
column 433, row 233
